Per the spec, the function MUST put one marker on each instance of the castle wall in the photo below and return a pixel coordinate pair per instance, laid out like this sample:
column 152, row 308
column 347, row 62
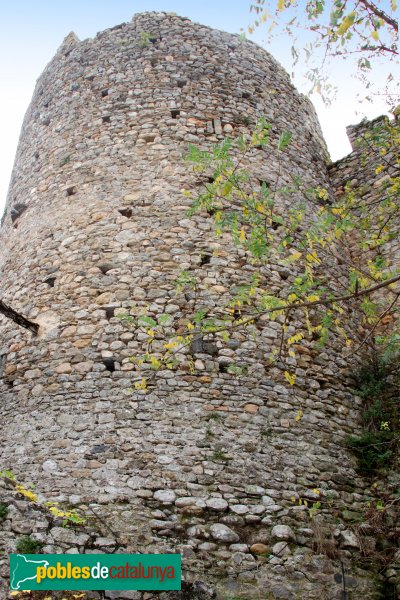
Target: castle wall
column 202, row 462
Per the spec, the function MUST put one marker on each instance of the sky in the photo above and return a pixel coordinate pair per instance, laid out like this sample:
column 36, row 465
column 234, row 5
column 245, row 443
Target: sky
column 32, row 30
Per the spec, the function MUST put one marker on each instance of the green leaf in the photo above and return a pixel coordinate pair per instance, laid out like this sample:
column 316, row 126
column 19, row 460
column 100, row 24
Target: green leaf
column 143, row 320
column 284, row 140
column 199, row 316
column 163, row 319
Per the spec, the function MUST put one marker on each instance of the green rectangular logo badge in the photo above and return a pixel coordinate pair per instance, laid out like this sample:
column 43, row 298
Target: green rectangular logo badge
column 95, row 572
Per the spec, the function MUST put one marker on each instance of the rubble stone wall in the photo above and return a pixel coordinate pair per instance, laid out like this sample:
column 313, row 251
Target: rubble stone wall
column 96, row 226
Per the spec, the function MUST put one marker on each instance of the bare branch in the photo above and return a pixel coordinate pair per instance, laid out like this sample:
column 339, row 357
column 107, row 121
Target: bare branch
column 12, row 314
column 378, row 12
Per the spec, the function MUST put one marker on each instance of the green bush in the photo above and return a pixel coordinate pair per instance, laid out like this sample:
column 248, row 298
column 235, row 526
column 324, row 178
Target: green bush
column 377, row 383
column 3, row 511
column 26, row 545
column 373, row 450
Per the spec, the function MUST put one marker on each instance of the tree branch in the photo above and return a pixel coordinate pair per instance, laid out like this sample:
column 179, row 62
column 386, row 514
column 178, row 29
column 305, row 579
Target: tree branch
column 378, row 12
column 12, row 314
column 326, row 302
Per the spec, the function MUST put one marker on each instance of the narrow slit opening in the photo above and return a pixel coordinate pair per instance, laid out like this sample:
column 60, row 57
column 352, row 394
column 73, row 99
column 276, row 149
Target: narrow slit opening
column 125, row 212
column 50, row 281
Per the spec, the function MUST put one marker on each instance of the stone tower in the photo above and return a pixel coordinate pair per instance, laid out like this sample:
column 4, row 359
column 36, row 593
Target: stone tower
column 95, row 228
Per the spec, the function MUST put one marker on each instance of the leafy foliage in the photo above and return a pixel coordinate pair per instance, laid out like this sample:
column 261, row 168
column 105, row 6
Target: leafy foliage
column 300, row 230
column 27, row 545
column 3, row 511
column 361, row 31
column 378, row 385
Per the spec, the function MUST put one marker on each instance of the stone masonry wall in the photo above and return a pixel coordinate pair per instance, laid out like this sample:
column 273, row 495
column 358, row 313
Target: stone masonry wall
column 203, row 463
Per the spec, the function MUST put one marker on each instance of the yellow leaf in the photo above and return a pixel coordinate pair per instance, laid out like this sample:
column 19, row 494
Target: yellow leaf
column 322, row 193
column 299, row 415
column 295, row 256
column 346, row 23
column 290, row 378
column 313, row 258
column 295, row 338
column 170, row 345
column 242, row 236
column 281, row 4
column 375, row 35
column 141, row 385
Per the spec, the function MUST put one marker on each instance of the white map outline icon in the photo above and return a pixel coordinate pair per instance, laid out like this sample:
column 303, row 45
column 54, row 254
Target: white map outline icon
column 16, row 586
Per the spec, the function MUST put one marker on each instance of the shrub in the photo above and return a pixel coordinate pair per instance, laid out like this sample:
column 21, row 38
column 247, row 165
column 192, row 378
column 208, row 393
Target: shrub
column 3, row 511
column 378, row 383
column 27, row 545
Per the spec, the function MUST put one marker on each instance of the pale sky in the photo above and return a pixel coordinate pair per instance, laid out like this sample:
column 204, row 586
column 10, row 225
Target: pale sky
column 32, row 30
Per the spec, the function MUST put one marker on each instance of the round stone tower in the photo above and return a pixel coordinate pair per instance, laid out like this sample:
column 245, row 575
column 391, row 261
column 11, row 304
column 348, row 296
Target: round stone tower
column 96, row 228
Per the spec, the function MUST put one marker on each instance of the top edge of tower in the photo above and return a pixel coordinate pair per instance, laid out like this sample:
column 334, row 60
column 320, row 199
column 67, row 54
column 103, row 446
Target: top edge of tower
column 154, row 18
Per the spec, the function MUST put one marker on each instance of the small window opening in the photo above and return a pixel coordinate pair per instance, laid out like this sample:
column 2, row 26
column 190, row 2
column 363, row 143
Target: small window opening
column 109, row 363
column 17, row 211
column 263, row 182
column 175, row 113
column 211, row 211
column 110, row 312
column 149, row 138
column 71, row 191
column 205, row 259
column 104, row 93
column 36, row 155
column 181, row 83
column 154, row 62
column 246, row 95
column 50, row 281
column 223, row 367
column 107, row 119
column 210, row 179
column 275, row 225
column 106, row 267
column 125, row 212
